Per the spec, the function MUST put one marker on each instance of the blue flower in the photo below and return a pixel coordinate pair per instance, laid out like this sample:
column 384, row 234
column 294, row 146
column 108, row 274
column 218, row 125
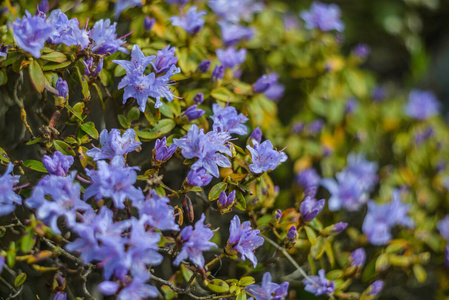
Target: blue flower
column 230, row 57
column 268, row 290
column 265, row 82
column 112, row 144
column 363, row 169
column 7, row 195
column 43, row 6
column 138, row 289
column 116, row 181
column 292, row 233
column 195, row 241
column 156, row 212
column 218, row 73
column 310, row 208
column 225, row 202
column 137, row 64
column 204, row 66
column 256, row 135
column 275, row 92
column 67, row 31
column 161, row 152
column 307, row 178
column 233, row 33
column 58, row 164
column 244, row 239
column 375, row 288
column 236, row 10
column 62, row 88
column 228, row 119
column 361, row 51
column 443, row 227
column 104, row 38
column 148, row 23
column 358, row 257
column 60, row 296
column 199, row 98
column 193, row 113
column 324, row 17
column 192, row 22
column 121, row 5
column 351, row 105
column 92, row 70
column 319, row 285
column 179, row 2
column 264, row 157
column 422, row 105
column 199, row 177
column 165, row 60
column 31, row 32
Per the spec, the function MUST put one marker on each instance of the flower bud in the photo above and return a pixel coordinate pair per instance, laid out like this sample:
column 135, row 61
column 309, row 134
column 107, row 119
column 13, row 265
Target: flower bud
column 62, row 88
column 256, row 134
column 192, row 113
column 204, row 66
column 358, row 257
column 199, row 177
column 218, row 73
column 375, row 288
column 265, row 82
column 148, row 23
column 199, row 98
column 292, row 233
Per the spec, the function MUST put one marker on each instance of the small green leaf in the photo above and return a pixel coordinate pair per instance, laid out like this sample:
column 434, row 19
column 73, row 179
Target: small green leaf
column 246, row 280
column 334, row 274
column 123, row 121
column 382, row 263
column 216, row 190
column 147, row 135
column 11, row 255
column 55, row 66
column 317, row 250
column 3, row 77
column 55, row 57
column 90, row 129
column 20, row 279
column 241, row 296
column 100, row 94
column 76, row 110
column 64, row 148
column 218, row 286
column 240, row 200
column 33, row 141
column 133, row 114
column 311, row 235
column 3, row 155
column 35, row 165
column 420, row 273
column 164, row 126
column 224, row 95
column 27, row 242
column 37, row 76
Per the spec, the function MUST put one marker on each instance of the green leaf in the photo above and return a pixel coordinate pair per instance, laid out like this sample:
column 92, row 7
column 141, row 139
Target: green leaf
column 55, row 57
column 147, row 135
column 317, row 250
column 35, row 165
column 37, row 76
column 334, row 274
column 216, row 190
column 166, row 111
column 420, row 273
column 64, row 148
column 3, row 155
column 11, row 255
column 311, row 235
column 382, row 263
column 20, row 279
column 241, row 296
column 76, row 110
column 27, row 242
column 55, row 66
column 33, row 141
column 240, row 200
column 224, row 95
column 164, row 126
column 84, row 85
column 218, row 286
column 100, row 94
column 133, row 114
column 3, row 77
column 246, row 280
column 123, row 121
column 90, row 129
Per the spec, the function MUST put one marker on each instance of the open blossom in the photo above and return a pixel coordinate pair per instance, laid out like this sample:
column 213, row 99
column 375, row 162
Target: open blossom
column 199, row 177
column 58, row 164
column 165, row 59
column 104, row 39
column 232, row 33
column 156, row 212
column 382, row 217
column 310, row 208
column 422, row 105
column 365, row 170
column 324, row 17
column 56, row 196
column 67, row 30
column 244, row 239
column 192, row 21
column 319, row 285
column 114, row 180
column 31, row 32
column 121, row 5
column 264, row 157
column 112, row 144
column 90, row 69
column 138, row 62
column 265, row 82
column 205, row 147
column 268, row 290
column 7, row 196
column 228, row 119
column 230, row 57
column 236, row 10
column 195, row 241
column 307, row 178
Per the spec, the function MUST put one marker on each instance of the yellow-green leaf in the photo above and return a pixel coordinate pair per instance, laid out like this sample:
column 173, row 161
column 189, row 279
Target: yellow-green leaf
column 224, row 95
column 164, row 126
column 90, row 129
column 64, row 148
column 55, row 57
column 55, row 66
column 218, row 286
column 35, row 165
column 311, row 235
column 216, row 190
column 20, row 279
column 37, row 76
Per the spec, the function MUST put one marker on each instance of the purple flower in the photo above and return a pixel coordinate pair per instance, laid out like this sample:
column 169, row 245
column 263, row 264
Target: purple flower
column 382, row 217
column 298, row 127
column 138, row 289
column 2, row 262
column 7, row 195
column 233, row 33
column 422, row 105
column 199, row 98
column 307, row 178
column 112, row 144
column 319, row 285
column 225, row 202
column 199, row 177
column 265, row 82
column 56, row 196
column 278, row 215
column 230, row 57
column 58, row 164
column 165, row 59
column 206, row 148
column 228, row 119
column 363, row 169
column 268, row 290
column 192, row 22
column 60, row 296
column 104, row 39
column 3, row 50
column 244, row 239
column 275, row 92
column 292, row 233
column 195, row 241
column 358, row 257
column 375, row 288
column 338, row 227
column 203, row 67
column 43, row 6
column 121, row 5
column 156, row 212
column 179, row 2
column 264, row 157
column 67, row 31
column 161, row 152
column 31, row 32
column 379, row 93
column 324, row 17
column 62, row 88
column 291, row 21
column 347, row 192
column 314, row 127
column 137, row 64
column 423, row 135
column 443, row 227
column 115, row 181
column 361, row 51
column 351, row 105
column 256, row 135
column 92, row 70
column 148, row 23
column 310, row 208
column 218, row 73
column 108, row 288
column 236, row 10
column 193, row 113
